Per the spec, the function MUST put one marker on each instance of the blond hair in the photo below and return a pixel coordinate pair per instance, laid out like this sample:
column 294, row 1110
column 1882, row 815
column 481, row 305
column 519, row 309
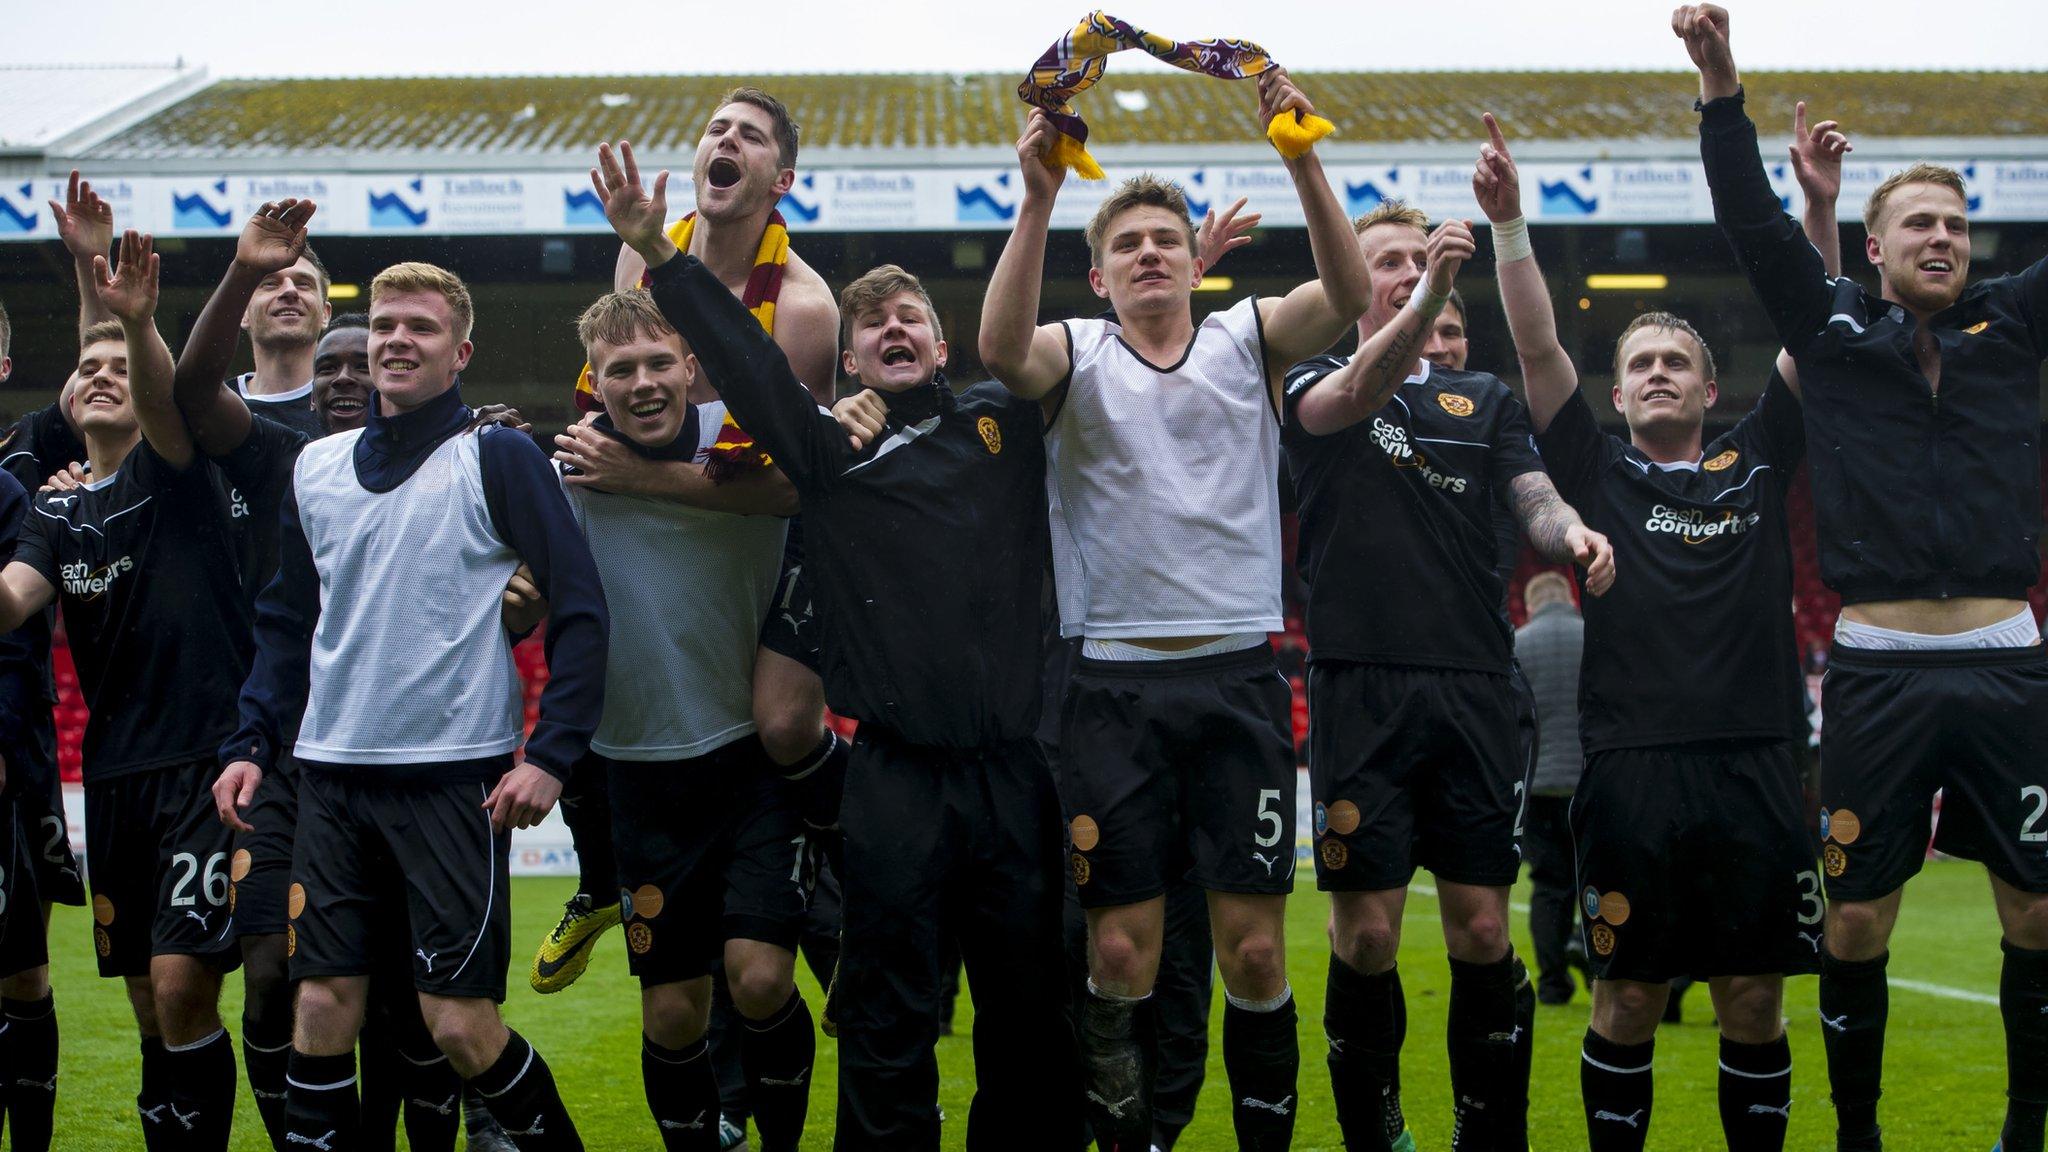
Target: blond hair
column 413, row 276
column 1949, row 178
column 1673, row 323
column 1390, row 212
column 1140, row 191
column 617, row 318
column 92, row 334
column 877, row 286
column 1546, row 588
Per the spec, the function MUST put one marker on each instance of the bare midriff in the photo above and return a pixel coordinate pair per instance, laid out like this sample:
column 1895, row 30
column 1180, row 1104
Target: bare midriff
column 1934, row 617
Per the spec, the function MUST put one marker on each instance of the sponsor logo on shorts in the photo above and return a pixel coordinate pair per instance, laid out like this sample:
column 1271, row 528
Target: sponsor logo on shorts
column 648, row 901
column 239, row 868
column 640, row 938
column 1085, row 832
column 1393, row 440
column 1614, row 909
column 991, row 434
column 1590, row 901
column 1082, row 869
column 1699, row 525
column 1836, row 860
column 1453, row 403
column 295, row 903
column 1335, row 855
column 1722, row 462
column 103, row 910
column 1842, row 826
column 1603, row 940
column 1322, row 818
column 1344, row 818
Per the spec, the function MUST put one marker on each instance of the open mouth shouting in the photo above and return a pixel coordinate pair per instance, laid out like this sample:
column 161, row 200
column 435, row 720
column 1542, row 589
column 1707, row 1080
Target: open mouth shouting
column 896, row 354
column 723, row 172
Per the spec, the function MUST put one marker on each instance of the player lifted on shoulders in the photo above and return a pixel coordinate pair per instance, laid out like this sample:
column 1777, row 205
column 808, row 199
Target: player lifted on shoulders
column 1162, row 447
column 1693, row 857
column 1921, row 401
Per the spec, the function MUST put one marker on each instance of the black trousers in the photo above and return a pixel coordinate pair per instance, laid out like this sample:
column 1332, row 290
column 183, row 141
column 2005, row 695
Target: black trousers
column 962, row 842
column 1547, row 844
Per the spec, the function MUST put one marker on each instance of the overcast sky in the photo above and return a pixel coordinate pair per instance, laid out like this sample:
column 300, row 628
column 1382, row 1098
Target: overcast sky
column 429, row 37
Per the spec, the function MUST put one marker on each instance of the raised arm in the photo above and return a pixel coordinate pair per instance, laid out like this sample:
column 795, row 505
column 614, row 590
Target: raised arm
column 271, row 242
column 129, row 293
column 1784, row 268
column 85, row 223
column 1548, row 375
column 1388, row 356
column 1029, row 358
column 1306, row 321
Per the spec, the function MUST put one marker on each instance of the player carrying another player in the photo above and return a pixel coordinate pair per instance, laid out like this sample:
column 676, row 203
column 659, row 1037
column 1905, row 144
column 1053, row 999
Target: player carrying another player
column 1921, row 402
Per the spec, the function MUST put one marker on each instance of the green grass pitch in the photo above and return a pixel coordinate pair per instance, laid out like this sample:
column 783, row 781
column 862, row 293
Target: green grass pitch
column 1945, row 1067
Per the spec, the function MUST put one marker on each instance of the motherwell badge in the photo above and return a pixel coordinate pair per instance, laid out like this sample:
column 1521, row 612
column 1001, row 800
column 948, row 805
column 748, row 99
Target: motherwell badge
column 1453, row 403
column 1603, row 940
column 991, row 434
column 640, row 938
column 1836, row 860
column 1722, row 462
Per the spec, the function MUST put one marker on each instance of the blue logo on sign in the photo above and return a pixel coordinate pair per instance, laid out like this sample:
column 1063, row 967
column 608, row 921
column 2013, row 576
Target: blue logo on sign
column 793, row 207
column 1560, row 198
column 1972, row 200
column 1189, row 190
column 197, row 210
column 582, row 207
column 1369, row 193
column 13, row 216
column 394, row 209
column 983, row 201
column 1779, row 172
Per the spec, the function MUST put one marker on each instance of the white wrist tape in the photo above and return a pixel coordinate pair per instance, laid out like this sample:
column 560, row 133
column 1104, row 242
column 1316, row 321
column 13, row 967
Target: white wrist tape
column 1427, row 303
column 1511, row 241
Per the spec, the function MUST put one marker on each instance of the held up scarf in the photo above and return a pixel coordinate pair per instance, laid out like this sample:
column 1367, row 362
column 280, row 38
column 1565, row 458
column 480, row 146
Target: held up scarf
column 1076, row 61
column 734, row 451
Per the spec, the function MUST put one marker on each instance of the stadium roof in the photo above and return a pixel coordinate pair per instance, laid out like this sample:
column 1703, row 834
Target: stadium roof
column 543, row 116
column 44, row 107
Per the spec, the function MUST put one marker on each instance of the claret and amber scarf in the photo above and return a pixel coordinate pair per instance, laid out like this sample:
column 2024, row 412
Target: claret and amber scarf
column 734, row 451
column 1076, row 61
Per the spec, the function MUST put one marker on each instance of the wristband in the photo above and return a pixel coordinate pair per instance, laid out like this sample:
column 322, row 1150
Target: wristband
column 1511, row 241
column 1427, row 303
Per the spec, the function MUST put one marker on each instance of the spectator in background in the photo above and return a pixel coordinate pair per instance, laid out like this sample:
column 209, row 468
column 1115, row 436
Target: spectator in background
column 1548, row 648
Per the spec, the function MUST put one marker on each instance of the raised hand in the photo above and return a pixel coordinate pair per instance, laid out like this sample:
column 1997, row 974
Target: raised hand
column 1042, row 179
column 1495, row 181
column 635, row 213
column 128, row 291
column 1224, row 233
column 1449, row 246
column 85, row 223
column 1278, row 93
column 1704, row 28
column 275, row 237
column 1817, row 156
column 862, row 416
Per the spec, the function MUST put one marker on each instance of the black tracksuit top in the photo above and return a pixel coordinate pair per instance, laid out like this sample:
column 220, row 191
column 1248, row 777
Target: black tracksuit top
column 1918, row 493
column 927, row 549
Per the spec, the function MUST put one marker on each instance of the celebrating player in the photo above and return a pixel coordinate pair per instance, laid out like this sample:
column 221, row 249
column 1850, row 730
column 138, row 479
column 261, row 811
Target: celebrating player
column 1176, row 753
column 1920, row 402
column 383, row 624
column 1692, row 853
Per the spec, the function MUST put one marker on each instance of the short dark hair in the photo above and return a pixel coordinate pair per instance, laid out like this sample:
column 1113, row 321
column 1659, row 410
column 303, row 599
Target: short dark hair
column 786, row 131
column 346, row 320
column 1671, row 323
column 1141, row 191
column 313, row 258
column 877, row 286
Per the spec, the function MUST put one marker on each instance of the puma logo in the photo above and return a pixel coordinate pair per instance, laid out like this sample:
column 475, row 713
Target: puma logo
column 1838, row 1024
column 183, row 1118
column 693, row 1125
column 1282, row 1108
column 444, row 1108
column 320, row 1142
column 1633, row 1119
column 1116, row 1110
column 1336, row 1045
column 1812, row 938
column 1268, row 861
column 153, row 1115
column 426, row 958
column 536, row 1130
column 795, row 625
column 1767, row 1110
column 1514, row 1037
column 199, row 916
column 49, row 1085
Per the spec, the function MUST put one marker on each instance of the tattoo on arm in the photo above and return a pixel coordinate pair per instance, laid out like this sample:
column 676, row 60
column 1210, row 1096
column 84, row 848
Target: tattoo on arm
column 1544, row 515
column 1392, row 367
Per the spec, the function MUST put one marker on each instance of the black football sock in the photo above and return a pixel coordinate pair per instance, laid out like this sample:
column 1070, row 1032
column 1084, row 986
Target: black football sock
column 1756, row 1094
column 682, row 1092
column 1261, row 1060
column 777, row 1054
column 1854, row 1002
column 1117, row 1074
column 320, row 1102
column 1365, row 1019
column 381, row 1085
column 520, row 1091
column 1479, row 1030
column 1615, row 1081
column 433, row 1097
column 1515, row 1127
column 153, row 1100
column 202, row 1076
column 31, row 1071
column 2023, row 1000
column 264, row 1059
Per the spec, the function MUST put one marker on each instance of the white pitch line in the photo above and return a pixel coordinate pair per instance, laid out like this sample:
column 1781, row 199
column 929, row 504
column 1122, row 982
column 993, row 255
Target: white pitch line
column 1921, row 986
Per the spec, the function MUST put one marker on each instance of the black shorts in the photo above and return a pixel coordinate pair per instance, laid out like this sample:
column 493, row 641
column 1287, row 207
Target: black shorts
column 710, row 849
column 1178, row 768
column 1902, row 725
column 24, row 943
column 366, row 846
column 262, row 864
column 792, row 627
column 1696, row 861
column 158, row 858
column 1413, row 766
column 59, row 879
